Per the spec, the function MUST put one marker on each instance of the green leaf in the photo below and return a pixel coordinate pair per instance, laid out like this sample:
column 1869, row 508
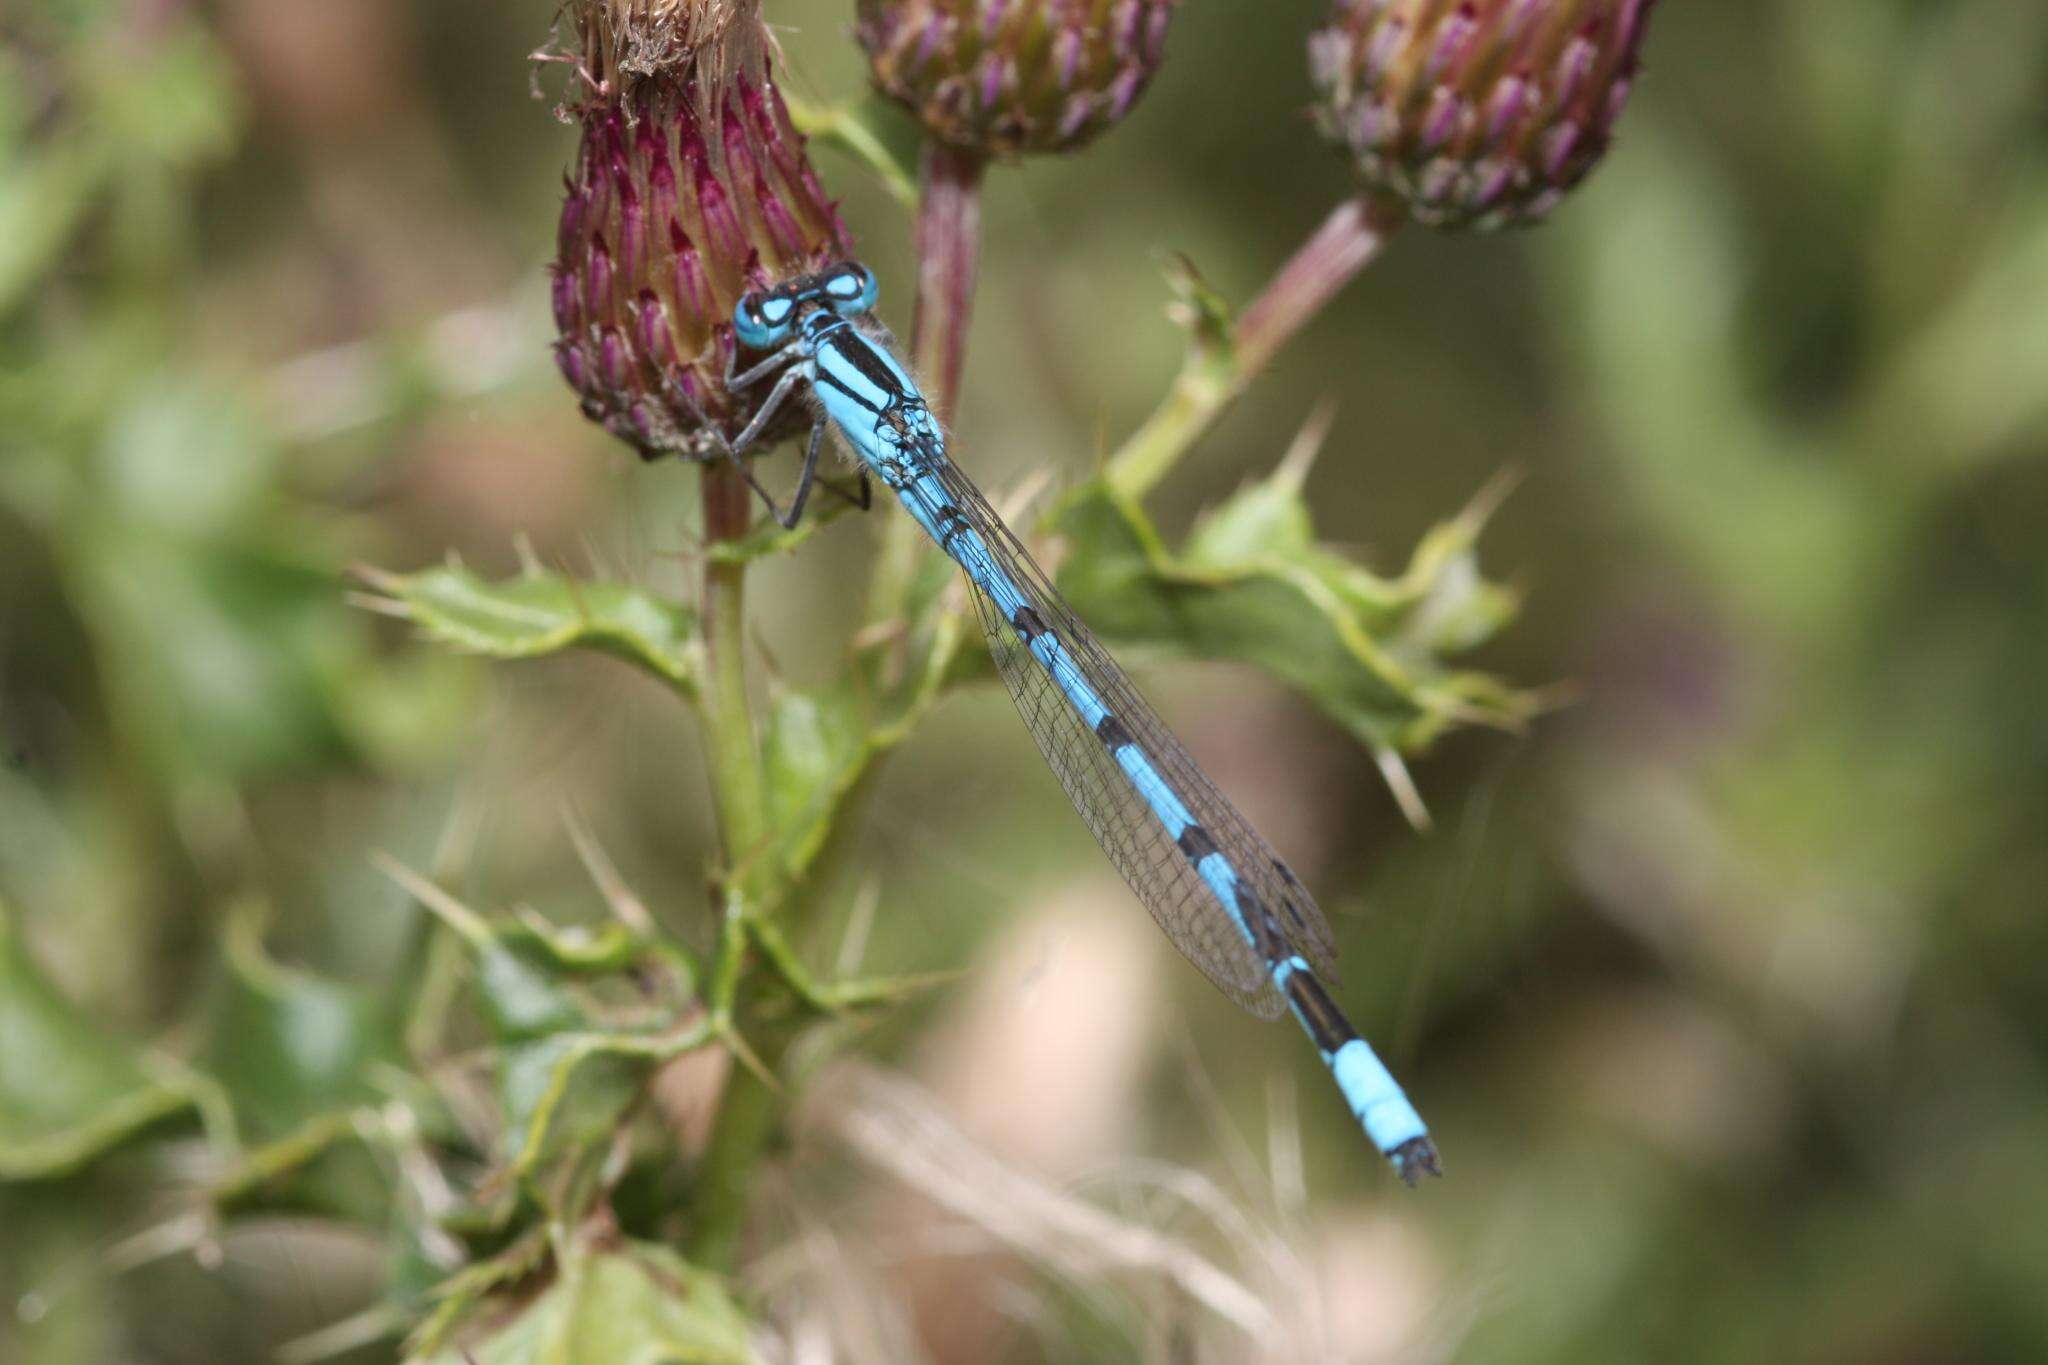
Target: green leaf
column 288, row 1045
column 816, row 747
column 217, row 617
column 567, row 1093
column 574, row 948
column 459, row 1294
column 525, row 971
column 565, row 1080
column 624, row 1304
column 69, row 1092
column 541, row 613
column 819, row 745
column 300, row 1058
column 1253, row 586
column 523, row 998
column 1212, row 372
column 570, row 1065
column 769, row 537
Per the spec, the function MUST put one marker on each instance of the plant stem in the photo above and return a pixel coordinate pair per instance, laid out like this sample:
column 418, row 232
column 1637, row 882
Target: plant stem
column 948, row 254
column 949, row 246
column 1212, row 377
column 747, row 1115
column 736, row 782
column 746, row 1112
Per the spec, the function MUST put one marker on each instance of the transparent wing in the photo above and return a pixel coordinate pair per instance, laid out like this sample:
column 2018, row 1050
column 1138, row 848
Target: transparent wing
column 1180, row 901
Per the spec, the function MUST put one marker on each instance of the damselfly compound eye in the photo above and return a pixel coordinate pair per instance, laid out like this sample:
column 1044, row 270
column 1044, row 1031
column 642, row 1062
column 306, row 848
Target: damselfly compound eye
column 762, row 320
column 850, row 288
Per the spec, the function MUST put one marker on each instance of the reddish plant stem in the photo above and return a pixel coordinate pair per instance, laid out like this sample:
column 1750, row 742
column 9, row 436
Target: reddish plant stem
column 1349, row 239
column 948, row 254
column 1217, row 371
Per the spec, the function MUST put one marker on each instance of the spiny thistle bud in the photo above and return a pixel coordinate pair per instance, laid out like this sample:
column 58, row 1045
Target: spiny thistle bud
column 690, row 188
column 1006, row 77
column 1476, row 113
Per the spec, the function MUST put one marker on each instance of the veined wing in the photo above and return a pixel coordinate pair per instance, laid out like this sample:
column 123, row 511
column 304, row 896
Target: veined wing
column 1186, row 907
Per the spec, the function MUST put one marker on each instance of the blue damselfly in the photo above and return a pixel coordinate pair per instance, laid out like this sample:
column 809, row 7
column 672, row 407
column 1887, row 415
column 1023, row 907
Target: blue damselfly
column 1215, row 887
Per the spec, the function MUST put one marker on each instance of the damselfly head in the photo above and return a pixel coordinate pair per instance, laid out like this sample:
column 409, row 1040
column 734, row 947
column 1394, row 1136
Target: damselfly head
column 765, row 318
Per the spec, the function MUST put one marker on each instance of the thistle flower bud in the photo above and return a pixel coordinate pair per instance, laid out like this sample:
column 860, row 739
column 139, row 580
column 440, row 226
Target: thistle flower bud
column 1007, row 77
column 1476, row 113
column 690, row 188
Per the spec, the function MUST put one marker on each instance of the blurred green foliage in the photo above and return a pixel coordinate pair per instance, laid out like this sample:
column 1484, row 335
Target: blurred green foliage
column 1722, row 988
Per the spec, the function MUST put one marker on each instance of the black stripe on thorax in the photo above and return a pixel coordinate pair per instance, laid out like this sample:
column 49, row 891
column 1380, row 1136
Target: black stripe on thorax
column 872, row 367
column 825, row 376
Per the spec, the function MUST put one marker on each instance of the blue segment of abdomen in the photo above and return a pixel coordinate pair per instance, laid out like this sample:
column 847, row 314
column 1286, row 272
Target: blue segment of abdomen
column 972, row 554
column 1375, row 1096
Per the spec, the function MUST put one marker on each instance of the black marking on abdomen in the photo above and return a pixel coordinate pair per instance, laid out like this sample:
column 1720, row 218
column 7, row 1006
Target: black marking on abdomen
column 1270, row 943
column 1029, row 623
column 1319, row 1014
column 1196, row 843
column 951, row 522
column 1113, row 733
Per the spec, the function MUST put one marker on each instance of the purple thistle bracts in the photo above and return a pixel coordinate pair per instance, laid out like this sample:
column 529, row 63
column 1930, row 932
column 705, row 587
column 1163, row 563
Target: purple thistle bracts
column 1010, row 77
column 690, row 188
column 1476, row 113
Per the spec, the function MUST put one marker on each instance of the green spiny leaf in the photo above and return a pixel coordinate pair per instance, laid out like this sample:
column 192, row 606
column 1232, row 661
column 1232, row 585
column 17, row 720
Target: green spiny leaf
column 541, row 613
column 570, row 1065
column 1254, row 586
column 524, row 999
column 566, row 1093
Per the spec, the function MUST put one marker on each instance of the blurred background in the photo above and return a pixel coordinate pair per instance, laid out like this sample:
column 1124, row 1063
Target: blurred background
column 1722, row 987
